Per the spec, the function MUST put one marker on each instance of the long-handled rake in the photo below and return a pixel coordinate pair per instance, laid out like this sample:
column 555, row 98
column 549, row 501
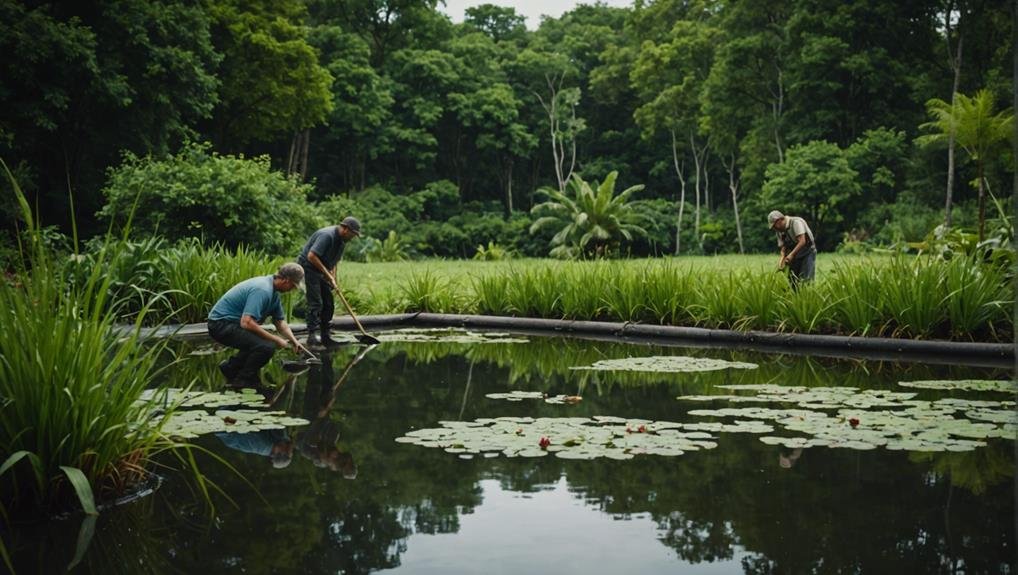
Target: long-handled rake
column 363, row 336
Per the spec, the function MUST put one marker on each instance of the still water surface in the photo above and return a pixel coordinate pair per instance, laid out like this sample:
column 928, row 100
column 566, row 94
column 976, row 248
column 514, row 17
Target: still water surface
column 352, row 500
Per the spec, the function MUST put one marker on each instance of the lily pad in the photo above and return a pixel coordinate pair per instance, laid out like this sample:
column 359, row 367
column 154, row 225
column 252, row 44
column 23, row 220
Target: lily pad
column 1004, row 386
column 191, row 416
column 868, row 419
column 445, row 335
column 566, row 437
column 665, row 364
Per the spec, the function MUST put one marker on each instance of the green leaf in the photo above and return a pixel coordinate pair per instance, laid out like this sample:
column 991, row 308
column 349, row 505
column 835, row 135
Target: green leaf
column 82, row 487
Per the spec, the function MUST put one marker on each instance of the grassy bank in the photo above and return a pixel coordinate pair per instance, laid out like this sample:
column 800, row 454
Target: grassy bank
column 896, row 296
column 915, row 297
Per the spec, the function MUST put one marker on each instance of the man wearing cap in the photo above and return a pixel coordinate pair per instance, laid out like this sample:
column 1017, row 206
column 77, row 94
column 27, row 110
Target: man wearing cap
column 235, row 321
column 798, row 248
column 271, row 443
column 319, row 257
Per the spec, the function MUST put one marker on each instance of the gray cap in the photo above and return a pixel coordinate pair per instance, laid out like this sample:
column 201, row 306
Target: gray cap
column 353, row 223
column 774, row 216
column 291, row 271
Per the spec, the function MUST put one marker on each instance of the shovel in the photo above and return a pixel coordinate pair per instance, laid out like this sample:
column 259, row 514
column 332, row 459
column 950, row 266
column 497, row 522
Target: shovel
column 298, row 366
column 363, row 337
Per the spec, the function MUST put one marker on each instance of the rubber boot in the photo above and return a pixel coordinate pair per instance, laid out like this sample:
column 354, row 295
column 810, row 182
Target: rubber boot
column 315, row 340
column 327, row 341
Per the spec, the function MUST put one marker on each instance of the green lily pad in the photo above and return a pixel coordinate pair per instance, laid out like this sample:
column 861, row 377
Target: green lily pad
column 1003, row 386
column 445, row 335
column 566, row 437
column 191, row 416
column 869, row 419
column 665, row 364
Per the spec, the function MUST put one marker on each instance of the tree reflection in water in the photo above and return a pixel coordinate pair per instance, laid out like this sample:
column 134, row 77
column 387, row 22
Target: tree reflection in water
column 834, row 511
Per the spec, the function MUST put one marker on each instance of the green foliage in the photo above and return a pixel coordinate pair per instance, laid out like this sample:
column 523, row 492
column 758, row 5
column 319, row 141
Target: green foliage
column 70, row 380
column 500, row 23
column 587, row 221
column 976, row 126
column 492, row 253
column 390, row 250
column 176, row 283
column 198, row 193
column 428, row 293
column 273, row 84
column 904, row 296
column 816, row 182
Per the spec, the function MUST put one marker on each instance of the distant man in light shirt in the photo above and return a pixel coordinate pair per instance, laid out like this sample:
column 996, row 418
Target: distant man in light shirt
column 319, row 257
column 235, row 321
column 798, row 247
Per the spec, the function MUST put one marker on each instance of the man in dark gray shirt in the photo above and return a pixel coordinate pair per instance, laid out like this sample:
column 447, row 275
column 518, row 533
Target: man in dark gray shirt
column 319, row 257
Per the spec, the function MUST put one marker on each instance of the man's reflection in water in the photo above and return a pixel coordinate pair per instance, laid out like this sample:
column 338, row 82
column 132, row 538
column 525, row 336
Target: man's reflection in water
column 273, row 443
column 319, row 441
column 787, row 460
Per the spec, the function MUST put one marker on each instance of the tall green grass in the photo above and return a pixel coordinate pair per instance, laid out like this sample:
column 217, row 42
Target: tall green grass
column 70, row 381
column 904, row 296
column 196, row 276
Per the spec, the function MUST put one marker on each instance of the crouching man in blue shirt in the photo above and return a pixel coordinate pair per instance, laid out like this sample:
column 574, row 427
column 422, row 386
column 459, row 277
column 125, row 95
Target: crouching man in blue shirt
column 235, row 321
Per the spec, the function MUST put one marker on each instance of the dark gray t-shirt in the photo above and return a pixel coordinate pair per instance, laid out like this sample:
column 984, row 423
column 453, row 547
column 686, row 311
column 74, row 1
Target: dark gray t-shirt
column 327, row 245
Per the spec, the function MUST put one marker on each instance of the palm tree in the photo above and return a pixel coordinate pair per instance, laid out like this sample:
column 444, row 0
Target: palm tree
column 589, row 221
column 977, row 129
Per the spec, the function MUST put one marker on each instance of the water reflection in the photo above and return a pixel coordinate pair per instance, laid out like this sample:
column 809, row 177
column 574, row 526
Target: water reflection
column 356, row 502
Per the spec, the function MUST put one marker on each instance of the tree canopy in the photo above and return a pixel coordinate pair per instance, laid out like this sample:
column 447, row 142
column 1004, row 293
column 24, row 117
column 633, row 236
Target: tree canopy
column 700, row 101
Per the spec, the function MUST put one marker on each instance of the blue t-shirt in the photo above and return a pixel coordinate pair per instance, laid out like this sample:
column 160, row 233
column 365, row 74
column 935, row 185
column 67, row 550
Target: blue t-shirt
column 327, row 245
column 257, row 442
column 254, row 297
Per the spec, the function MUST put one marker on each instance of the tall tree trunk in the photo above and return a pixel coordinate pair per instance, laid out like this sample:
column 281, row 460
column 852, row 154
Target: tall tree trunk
column 509, row 189
column 698, row 160
column 682, row 194
column 955, row 61
column 777, row 110
column 293, row 152
column 706, row 182
column 304, row 155
column 733, row 186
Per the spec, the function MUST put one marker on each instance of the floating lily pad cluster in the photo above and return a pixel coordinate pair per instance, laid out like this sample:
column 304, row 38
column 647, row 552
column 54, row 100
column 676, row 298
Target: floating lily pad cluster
column 565, row 437
column 189, row 423
column 521, row 395
column 868, row 419
column 666, row 364
column 964, row 385
column 247, row 397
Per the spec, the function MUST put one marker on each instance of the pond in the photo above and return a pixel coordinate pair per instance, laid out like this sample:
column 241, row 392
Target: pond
column 377, row 482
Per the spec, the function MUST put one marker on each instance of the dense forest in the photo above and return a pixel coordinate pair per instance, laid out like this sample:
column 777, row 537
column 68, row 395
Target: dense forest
column 252, row 121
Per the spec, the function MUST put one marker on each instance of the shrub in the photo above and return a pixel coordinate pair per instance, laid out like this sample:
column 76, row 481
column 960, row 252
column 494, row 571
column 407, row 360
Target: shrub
column 390, row 250
column 226, row 199
column 492, row 253
column 816, row 182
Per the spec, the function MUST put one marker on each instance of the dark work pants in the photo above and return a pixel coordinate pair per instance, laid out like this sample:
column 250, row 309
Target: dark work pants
column 321, row 303
column 802, row 269
column 254, row 353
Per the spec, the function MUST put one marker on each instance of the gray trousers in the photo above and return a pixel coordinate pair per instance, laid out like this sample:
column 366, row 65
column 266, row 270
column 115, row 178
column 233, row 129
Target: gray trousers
column 321, row 303
column 254, row 352
column 802, row 269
